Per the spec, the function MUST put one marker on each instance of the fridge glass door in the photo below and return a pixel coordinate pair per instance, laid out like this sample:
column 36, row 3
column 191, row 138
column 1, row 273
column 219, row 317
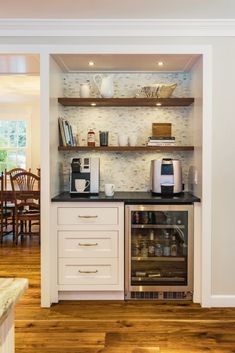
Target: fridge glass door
column 159, row 248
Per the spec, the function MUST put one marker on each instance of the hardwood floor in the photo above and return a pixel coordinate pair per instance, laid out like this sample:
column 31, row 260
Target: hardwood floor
column 109, row 327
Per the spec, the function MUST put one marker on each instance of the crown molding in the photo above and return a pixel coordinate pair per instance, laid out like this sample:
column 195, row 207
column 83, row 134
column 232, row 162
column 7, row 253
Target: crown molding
column 116, row 27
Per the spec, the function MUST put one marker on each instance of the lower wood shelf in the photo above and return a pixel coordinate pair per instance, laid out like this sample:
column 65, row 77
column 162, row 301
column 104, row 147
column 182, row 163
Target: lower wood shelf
column 126, row 148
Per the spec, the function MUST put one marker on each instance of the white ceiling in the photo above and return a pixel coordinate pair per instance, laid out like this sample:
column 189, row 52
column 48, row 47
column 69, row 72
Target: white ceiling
column 131, row 9
column 125, row 62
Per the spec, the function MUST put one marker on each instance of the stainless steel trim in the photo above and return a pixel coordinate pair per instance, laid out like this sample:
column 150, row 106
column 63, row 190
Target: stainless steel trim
column 178, row 288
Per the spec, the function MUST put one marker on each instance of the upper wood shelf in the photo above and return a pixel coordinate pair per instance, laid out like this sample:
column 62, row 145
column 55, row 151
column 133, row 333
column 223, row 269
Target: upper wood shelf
column 126, row 148
column 126, row 102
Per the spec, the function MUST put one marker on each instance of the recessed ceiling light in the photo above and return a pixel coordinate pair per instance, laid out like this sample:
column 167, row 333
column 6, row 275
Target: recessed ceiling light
column 91, row 63
column 160, row 63
column 158, row 104
column 93, row 104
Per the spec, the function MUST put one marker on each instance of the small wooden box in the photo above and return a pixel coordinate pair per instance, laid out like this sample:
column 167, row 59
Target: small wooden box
column 161, row 129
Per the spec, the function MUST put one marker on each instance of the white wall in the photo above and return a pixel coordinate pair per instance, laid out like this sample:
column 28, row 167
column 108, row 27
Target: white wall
column 195, row 177
column 35, row 136
column 56, row 90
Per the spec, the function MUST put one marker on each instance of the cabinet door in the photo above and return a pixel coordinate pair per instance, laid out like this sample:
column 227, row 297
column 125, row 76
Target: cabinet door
column 85, row 215
column 91, row 271
column 88, row 243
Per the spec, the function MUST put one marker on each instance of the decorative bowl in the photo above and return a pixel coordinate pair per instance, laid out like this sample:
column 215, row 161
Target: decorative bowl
column 158, row 90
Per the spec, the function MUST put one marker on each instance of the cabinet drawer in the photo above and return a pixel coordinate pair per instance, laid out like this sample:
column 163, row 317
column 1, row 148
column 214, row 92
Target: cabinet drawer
column 85, row 215
column 82, row 243
column 94, row 271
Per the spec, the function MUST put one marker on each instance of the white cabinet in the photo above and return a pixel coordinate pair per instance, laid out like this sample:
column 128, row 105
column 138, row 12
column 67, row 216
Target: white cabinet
column 87, row 215
column 88, row 243
column 89, row 247
column 88, row 272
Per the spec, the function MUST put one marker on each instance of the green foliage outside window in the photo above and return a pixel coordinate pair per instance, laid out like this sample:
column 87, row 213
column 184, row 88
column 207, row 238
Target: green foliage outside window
column 13, row 144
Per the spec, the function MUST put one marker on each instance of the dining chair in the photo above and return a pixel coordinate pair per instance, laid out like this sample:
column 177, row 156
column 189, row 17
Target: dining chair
column 26, row 194
column 10, row 205
column 5, row 213
column 14, row 171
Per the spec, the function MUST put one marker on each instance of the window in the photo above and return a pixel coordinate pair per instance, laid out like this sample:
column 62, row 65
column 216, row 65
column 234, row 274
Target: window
column 13, row 144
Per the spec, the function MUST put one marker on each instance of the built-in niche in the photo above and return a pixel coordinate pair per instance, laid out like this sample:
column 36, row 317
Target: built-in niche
column 129, row 171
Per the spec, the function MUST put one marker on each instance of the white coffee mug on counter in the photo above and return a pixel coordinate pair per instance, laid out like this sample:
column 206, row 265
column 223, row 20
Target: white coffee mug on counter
column 109, row 189
column 81, row 184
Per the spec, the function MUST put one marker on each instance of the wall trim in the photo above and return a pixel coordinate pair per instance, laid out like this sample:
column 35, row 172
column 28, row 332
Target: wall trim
column 223, row 301
column 116, row 27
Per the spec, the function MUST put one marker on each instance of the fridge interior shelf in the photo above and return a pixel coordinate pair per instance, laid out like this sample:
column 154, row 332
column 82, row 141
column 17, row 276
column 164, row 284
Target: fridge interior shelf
column 160, row 226
column 158, row 279
column 160, row 258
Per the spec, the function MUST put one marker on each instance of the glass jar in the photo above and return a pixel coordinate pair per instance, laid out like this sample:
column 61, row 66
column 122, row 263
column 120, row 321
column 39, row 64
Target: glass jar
column 174, row 248
column 144, row 249
column 135, row 249
column 166, row 245
column 136, row 217
column 158, row 250
column 144, row 217
column 91, row 138
column 151, row 244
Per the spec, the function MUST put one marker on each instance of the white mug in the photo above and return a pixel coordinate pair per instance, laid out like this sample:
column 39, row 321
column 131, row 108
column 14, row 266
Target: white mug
column 84, row 90
column 123, row 140
column 81, row 184
column 109, row 189
column 132, row 140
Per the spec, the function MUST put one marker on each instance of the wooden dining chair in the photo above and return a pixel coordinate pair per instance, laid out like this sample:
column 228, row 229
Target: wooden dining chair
column 5, row 213
column 26, row 193
column 12, row 172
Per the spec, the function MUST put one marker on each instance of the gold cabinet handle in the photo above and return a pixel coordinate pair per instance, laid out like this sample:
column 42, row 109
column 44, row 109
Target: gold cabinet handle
column 87, row 216
column 88, row 271
column 87, row 244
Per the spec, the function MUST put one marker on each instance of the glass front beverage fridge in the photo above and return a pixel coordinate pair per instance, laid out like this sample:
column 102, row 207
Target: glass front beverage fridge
column 159, row 252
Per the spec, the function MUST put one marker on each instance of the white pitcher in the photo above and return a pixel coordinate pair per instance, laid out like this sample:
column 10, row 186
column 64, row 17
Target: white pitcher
column 104, row 85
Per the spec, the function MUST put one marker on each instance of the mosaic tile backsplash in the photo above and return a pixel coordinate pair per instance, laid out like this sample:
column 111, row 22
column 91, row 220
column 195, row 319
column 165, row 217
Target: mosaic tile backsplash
column 127, row 170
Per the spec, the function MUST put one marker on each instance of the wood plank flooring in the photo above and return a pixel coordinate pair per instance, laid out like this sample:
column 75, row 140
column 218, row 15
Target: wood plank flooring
column 109, row 327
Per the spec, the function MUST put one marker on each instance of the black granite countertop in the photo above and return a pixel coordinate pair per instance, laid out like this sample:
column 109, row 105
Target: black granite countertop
column 129, row 198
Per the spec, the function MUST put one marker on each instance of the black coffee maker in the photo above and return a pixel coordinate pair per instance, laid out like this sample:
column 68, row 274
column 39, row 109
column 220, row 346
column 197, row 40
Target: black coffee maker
column 84, row 176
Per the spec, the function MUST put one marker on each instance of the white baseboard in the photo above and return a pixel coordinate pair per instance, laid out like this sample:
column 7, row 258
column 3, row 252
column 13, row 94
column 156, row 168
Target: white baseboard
column 223, row 301
column 73, row 295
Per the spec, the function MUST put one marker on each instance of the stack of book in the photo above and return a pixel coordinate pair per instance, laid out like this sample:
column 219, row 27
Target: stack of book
column 161, row 141
column 67, row 135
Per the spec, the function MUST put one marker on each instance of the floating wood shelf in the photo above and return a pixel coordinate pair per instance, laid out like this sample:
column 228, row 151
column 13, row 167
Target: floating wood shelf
column 126, row 102
column 126, row 148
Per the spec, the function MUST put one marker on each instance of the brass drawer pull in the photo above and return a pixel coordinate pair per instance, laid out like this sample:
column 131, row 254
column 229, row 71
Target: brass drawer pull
column 87, row 216
column 87, row 244
column 88, row 271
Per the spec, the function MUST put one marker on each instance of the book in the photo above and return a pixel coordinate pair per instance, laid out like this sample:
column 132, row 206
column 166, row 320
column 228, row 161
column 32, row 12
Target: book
column 162, row 138
column 62, row 133
column 161, row 144
column 66, row 133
